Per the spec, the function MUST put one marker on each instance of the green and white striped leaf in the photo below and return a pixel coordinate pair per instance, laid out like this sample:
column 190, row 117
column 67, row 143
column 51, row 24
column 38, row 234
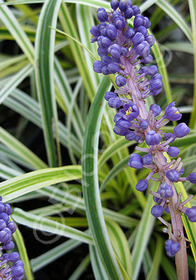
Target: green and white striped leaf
column 44, row 70
column 43, row 224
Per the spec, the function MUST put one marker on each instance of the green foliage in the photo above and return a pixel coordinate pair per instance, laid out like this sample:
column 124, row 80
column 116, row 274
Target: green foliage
column 82, row 175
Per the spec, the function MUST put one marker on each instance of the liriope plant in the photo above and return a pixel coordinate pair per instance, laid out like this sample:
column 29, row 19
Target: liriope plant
column 121, row 232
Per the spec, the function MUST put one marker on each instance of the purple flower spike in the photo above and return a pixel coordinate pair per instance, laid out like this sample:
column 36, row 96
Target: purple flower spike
column 152, row 138
column 181, row 130
column 120, row 81
column 172, row 113
column 173, row 151
column 135, row 161
column 192, row 178
column 142, row 185
column 165, row 190
column 156, row 109
column 172, row 247
column 191, row 213
column 157, row 211
column 173, row 175
column 147, row 159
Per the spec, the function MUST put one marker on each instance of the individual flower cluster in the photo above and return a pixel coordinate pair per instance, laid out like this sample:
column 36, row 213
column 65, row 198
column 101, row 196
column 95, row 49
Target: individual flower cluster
column 125, row 51
column 11, row 267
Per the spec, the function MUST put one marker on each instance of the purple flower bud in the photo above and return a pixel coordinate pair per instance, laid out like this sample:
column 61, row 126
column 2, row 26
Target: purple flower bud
column 120, row 24
column 105, row 70
column 114, row 4
column 166, row 209
column 172, row 247
column 173, row 151
column 152, row 70
column 129, row 33
column 13, row 257
column 173, row 175
column 120, row 81
column 113, row 68
column 142, row 185
column 172, row 113
column 165, row 190
column 147, row 159
column 2, row 224
column 110, row 94
column 135, row 161
column 155, row 84
column 95, row 31
column 8, row 209
column 156, row 199
column 147, row 22
column 17, row 271
column 181, row 130
column 111, row 31
column 156, row 109
column 114, row 50
column 124, row 51
column 152, row 138
column 191, row 213
column 130, row 136
column 142, row 30
column 122, row 5
column 138, row 21
column 146, row 60
column 5, row 235
column 115, row 103
column 128, row 13
column 123, row 124
column 192, row 178
column 137, row 39
column 157, row 211
column 12, row 226
column 2, row 207
column 102, row 14
column 150, row 39
column 102, row 51
column 143, row 49
column 104, row 42
column 5, row 217
column 136, row 10
column 9, row 246
column 144, row 124
column 106, row 60
column 120, row 131
column 97, row 66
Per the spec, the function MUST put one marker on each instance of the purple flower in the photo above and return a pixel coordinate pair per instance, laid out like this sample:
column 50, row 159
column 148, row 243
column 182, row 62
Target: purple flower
column 173, row 175
column 135, row 161
column 102, row 14
column 192, row 178
column 144, row 124
column 173, row 151
column 172, row 247
column 120, row 81
column 152, row 138
column 165, row 190
column 114, row 4
column 142, row 185
column 97, row 66
column 181, row 130
column 172, row 113
column 191, row 213
column 156, row 109
column 157, row 211
column 115, row 102
column 147, row 159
